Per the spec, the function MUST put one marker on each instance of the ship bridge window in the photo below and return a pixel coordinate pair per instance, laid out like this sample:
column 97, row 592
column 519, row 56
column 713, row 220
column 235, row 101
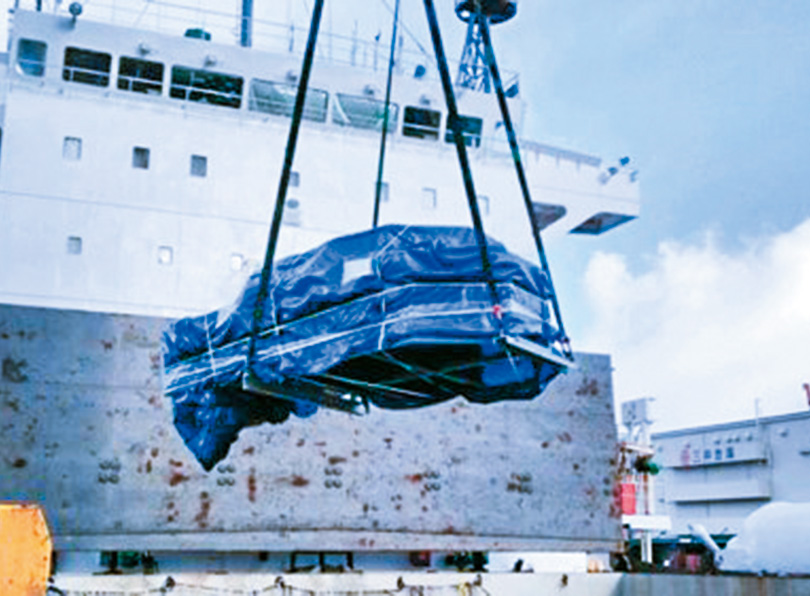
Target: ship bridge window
column 471, row 129
column 279, row 99
column 363, row 112
column 421, row 123
column 31, row 57
column 87, row 66
column 140, row 76
column 204, row 86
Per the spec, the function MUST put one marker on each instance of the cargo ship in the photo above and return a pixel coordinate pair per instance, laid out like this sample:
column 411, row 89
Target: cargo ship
column 141, row 148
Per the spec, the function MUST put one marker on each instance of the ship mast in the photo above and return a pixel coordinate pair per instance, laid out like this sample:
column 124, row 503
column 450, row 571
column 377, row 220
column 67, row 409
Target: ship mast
column 473, row 72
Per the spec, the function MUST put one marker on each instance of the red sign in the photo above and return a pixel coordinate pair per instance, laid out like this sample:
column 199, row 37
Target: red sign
column 628, row 498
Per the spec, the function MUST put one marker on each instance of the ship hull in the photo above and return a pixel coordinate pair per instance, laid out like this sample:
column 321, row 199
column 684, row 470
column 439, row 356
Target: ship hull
column 87, row 433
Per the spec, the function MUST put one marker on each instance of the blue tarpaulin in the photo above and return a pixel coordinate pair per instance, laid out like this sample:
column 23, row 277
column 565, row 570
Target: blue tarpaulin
column 398, row 317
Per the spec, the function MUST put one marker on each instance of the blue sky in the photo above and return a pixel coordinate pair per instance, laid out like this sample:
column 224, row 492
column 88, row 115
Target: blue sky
column 710, row 99
column 701, row 302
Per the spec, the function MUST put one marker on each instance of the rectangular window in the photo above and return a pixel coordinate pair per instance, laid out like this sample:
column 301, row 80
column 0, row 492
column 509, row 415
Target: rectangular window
column 279, row 99
column 483, row 204
column 429, row 198
column 140, row 158
column 295, row 179
column 140, row 76
column 204, row 86
column 707, row 454
column 31, row 57
column 74, row 245
column 237, row 261
column 86, row 66
column 165, row 255
column 421, row 123
column 199, row 166
column 384, row 189
column 471, row 129
column 292, row 212
column 363, row 112
column 729, row 452
column 72, row 148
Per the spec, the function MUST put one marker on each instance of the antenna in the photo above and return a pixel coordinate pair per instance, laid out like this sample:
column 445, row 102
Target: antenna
column 473, row 72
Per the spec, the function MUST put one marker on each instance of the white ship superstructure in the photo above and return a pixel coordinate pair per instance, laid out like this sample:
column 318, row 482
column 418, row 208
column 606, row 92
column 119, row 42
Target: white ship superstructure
column 139, row 169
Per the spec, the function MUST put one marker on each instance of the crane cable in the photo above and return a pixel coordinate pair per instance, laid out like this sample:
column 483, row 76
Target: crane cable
column 386, row 114
column 489, row 54
column 292, row 140
column 454, row 123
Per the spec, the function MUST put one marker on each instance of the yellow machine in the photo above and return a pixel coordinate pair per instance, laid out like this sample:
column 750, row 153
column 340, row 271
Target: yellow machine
column 25, row 550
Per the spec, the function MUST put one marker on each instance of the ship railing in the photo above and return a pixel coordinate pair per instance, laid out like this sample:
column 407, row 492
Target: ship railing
column 498, row 146
column 139, row 84
column 89, row 76
column 174, row 18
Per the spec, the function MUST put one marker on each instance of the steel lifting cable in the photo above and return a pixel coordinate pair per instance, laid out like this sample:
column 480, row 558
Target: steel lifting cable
column 524, row 185
column 275, row 228
column 386, row 116
column 461, row 149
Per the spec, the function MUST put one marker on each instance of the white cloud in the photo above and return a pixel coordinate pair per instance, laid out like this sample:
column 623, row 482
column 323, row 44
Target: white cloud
column 705, row 332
